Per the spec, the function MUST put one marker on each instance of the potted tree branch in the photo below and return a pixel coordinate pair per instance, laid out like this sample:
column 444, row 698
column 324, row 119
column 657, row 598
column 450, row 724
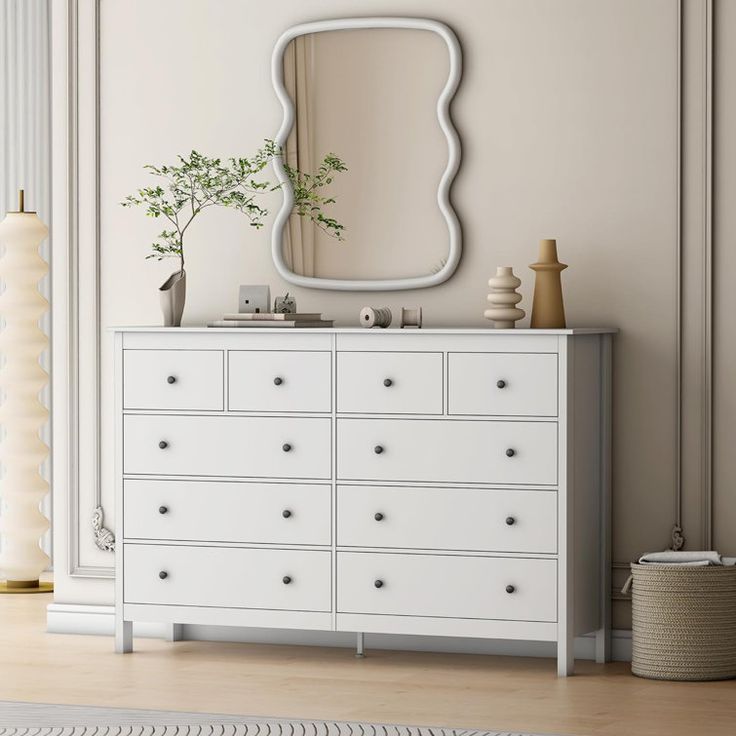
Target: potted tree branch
column 197, row 183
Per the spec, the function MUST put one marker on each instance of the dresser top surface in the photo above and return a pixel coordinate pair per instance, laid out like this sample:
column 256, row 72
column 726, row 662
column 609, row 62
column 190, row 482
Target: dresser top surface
column 362, row 330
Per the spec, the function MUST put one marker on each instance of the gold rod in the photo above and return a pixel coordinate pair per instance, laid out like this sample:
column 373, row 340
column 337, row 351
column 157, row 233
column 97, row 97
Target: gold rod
column 21, row 200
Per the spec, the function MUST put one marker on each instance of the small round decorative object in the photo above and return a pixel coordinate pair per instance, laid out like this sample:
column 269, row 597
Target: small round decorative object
column 163, row 509
column 510, row 521
column 411, row 317
column 387, row 382
column 163, row 444
column 171, row 379
column 163, row 574
column 286, row 447
column 286, row 579
column 375, row 317
column 378, row 516
column 510, row 452
column 510, row 589
column 286, row 513
column 501, row 384
column 378, row 583
column 503, row 297
column 278, row 381
column 378, row 449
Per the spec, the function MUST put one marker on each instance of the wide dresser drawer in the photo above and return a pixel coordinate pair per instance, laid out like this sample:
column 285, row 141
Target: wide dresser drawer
column 173, row 380
column 257, row 513
column 447, row 586
column 253, row 447
column 502, row 384
column 280, row 380
column 389, row 383
column 461, row 519
column 227, row 577
column 462, row 451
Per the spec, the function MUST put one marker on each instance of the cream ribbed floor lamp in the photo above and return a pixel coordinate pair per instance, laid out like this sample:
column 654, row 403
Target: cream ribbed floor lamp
column 22, row 415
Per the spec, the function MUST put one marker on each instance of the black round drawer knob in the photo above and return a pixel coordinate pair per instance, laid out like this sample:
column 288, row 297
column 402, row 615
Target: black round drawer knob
column 501, row 384
column 163, row 574
column 286, row 513
column 387, row 382
column 378, row 516
column 510, row 521
column 278, row 380
column 378, row 449
column 163, row 509
column 286, row 447
column 171, row 379
column 163, row 444
column 286, row 579
column 510, row 452
column 510, row 589
column 378, row 583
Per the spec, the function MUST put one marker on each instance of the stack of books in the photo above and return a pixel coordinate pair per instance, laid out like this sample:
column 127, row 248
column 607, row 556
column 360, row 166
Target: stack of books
column 270, row 319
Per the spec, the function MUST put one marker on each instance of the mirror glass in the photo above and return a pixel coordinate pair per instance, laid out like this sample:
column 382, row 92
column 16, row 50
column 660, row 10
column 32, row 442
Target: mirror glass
column 369, row 97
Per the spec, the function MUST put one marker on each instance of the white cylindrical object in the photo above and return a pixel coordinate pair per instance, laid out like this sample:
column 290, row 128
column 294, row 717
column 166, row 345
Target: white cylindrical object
column 375, row 317
column 22, row 415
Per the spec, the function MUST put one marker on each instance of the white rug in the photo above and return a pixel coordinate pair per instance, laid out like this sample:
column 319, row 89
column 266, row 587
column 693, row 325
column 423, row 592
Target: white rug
column 31, row 719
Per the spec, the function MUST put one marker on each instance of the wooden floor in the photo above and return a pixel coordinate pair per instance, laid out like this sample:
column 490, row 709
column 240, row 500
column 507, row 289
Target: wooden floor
column 468, row 691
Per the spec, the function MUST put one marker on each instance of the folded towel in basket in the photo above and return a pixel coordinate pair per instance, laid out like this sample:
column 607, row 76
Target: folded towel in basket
column 684, row 558
column 691, row 559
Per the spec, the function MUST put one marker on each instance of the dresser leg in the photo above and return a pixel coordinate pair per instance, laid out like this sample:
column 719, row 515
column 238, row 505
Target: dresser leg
column 565, row 657
column 123, row 636
column 603, row 645
column 360, row 645
column 175, row 632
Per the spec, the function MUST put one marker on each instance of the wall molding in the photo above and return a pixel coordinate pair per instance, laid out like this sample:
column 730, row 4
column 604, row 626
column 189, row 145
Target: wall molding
column 82, row 367
column 695, row 264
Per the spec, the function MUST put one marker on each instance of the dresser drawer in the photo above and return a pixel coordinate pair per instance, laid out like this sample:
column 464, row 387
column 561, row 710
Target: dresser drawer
column 463, row 519
column 280, row 380
column 173, row 379
column 502, row 384
column 461, row 451
column 227, row 577
column 389, row 383
column 248, row 447
column 259, row 513
column 447, row 587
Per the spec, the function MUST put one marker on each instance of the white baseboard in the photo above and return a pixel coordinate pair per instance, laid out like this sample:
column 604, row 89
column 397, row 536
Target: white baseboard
column 63, row 618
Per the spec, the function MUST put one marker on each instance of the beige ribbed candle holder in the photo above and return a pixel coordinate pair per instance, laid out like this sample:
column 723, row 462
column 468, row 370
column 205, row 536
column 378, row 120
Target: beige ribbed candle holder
column 548, row 309
column 22, row 415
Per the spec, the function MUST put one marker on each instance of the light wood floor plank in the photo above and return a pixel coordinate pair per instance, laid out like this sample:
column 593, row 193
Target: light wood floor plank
column 309, row 682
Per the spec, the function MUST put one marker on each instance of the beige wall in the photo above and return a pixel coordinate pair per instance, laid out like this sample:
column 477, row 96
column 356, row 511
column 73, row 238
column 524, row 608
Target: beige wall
column 569, row 112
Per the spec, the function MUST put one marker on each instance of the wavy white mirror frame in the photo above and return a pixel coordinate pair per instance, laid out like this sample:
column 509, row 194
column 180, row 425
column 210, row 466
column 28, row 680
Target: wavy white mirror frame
column 443, row 191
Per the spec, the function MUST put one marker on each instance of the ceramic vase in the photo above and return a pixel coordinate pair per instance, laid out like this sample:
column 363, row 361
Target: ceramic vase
column 504, row 298
column 548, row 310
column 173, row 293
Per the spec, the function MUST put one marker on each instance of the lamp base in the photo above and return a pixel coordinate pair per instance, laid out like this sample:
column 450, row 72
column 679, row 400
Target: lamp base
column 25, row 586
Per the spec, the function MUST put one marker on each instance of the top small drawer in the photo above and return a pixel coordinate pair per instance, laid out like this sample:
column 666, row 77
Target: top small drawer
column 280, row 380
column 389, row 383
column 503, row 384
column 173, row 379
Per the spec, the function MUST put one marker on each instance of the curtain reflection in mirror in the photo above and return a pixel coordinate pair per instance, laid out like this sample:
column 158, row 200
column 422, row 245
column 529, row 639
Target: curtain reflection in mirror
column 299, row 235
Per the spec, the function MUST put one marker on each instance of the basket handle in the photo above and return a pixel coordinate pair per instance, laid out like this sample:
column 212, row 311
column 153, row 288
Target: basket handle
column 628, row 584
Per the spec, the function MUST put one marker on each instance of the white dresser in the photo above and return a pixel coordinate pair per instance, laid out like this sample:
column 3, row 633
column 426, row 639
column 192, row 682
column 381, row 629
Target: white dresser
column 438, row 482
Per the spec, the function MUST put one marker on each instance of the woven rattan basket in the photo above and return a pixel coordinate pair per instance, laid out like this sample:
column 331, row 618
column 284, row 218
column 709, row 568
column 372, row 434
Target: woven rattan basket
column 684, row 622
